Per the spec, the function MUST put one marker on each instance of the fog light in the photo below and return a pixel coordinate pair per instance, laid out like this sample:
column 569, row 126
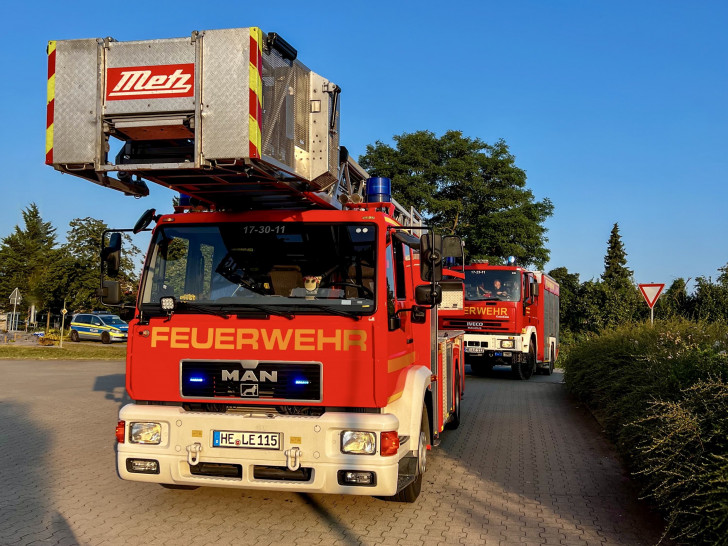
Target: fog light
column 389, row 443
column 145, row 433
column 357, row 477
column 142, row 466
column 506, row 344
column 358, row 442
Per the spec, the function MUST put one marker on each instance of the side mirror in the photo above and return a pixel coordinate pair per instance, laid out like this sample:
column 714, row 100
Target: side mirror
column 452, row 246
column 111, row 255
column 534, row 289
column 144, row 220
column 428, row 295
column 394, row 323
column 110, row 292
column 418, row 315
column 430, row 257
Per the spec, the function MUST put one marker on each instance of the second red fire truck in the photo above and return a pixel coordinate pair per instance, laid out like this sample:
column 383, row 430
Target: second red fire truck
column 510, row 317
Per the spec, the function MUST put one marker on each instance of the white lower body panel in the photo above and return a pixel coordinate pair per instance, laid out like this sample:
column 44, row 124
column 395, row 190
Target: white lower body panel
column 309, row 442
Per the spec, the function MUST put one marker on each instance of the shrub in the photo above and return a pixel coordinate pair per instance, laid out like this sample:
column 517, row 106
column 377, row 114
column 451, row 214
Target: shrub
column 660, row 391
column 683, row 459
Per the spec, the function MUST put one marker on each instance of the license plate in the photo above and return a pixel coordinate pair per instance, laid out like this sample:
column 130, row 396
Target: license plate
column 256, row 440
column 474, row 349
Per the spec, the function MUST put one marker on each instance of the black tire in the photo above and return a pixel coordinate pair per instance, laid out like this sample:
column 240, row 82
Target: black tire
column 454, row 421
column 74, row 336
column 477, row 367
column 550, row 369
column 412, row 491
column 179, row 487
column 524, row 370
column 105, row 337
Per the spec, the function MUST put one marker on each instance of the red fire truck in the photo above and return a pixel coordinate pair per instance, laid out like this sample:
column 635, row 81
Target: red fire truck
column 510, row 317
column 285, row 332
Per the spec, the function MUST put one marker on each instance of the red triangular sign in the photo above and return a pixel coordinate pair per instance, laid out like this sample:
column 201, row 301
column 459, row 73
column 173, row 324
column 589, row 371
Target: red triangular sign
column 651, row 292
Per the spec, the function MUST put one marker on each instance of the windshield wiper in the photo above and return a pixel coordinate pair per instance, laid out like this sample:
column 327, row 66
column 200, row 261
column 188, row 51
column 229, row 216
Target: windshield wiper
column 270, row 309
column 336, row 311
column 207, row 309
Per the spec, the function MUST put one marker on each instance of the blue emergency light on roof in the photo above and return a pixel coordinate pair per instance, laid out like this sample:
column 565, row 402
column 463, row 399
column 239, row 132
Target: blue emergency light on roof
column 511, row 260
column 379, row 190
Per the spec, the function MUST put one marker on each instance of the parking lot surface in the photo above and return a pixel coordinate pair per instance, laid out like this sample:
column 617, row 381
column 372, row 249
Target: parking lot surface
column 526, row 466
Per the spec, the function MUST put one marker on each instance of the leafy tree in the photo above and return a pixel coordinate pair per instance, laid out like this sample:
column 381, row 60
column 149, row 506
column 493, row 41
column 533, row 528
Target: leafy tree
column 82, row 252
column 25, row 257
column 466, row 187
column 675, row 302
column 569, row 287
column 710, row 300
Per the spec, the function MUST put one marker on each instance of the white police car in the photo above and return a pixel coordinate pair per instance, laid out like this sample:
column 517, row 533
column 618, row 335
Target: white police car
column 97, row 326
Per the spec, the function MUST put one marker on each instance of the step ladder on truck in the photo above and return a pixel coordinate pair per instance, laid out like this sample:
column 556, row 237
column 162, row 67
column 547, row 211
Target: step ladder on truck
column 285, row 331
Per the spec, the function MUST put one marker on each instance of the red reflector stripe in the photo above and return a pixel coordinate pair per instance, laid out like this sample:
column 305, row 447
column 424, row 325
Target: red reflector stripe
column 120, row 431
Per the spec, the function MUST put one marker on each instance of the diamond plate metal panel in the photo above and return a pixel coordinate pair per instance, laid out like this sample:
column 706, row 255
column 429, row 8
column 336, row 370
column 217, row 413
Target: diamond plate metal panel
column 225, row 93
column 150, row 53
column 76, row 90
column 279, row 87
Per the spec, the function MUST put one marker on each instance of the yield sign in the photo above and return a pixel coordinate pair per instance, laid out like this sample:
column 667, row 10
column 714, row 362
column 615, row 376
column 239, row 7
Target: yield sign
column 651, row 292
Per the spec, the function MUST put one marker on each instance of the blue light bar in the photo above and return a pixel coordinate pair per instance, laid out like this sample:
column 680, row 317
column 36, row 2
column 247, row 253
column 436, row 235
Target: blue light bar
column 302, row 382
column 197, row 380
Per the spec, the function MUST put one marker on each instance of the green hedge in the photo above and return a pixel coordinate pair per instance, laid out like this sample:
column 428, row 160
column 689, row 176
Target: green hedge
column 661, row 394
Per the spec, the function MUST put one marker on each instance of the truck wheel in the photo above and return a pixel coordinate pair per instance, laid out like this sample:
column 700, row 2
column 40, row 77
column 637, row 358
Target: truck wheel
column 74, row 336
column 524, row 370
column 105, row 337
column 412, row 491
column 454, row 421
column 550, row 369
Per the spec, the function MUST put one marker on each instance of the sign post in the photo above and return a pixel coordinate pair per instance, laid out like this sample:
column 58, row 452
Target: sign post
column 15, row 299
column 63, row 320
column 651, row 292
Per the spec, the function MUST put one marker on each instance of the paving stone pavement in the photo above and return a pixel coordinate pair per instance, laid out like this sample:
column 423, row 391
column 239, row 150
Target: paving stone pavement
column 526, row 466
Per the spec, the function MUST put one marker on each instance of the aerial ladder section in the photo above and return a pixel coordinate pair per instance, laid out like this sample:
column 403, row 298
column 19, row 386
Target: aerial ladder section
column 230, row 118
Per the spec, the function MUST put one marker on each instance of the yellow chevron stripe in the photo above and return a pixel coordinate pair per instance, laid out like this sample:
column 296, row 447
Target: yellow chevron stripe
column 49, row 138
column 394, row 364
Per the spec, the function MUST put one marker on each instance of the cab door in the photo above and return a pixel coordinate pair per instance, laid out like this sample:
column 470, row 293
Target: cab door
column 401, row 351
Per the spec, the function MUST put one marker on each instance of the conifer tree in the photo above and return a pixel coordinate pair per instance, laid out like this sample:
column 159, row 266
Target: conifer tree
column 616, row 272
column 25, row 255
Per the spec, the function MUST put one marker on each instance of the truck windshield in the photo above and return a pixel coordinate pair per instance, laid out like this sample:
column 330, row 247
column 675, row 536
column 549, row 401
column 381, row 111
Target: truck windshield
column 492, row 285
column 318, row 268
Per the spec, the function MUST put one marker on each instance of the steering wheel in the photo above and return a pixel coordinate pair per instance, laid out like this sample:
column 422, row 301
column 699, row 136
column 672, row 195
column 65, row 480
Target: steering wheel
column 360, row 288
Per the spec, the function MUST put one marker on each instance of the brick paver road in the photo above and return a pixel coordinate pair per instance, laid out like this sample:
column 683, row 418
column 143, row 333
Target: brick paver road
column 526, row 466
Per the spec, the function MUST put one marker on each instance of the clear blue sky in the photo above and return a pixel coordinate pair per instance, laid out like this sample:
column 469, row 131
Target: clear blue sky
column 618, row 111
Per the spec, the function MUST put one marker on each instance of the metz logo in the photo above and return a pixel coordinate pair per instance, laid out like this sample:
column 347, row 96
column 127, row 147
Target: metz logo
column 150, row 82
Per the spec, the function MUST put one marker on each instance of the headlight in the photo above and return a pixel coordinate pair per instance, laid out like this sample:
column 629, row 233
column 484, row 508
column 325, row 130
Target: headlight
column 145, row 433
column 506, row 344
column 358, row 442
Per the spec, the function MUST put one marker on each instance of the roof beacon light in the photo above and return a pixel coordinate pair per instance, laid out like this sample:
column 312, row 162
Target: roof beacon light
column 379, row 190
column 511, row 260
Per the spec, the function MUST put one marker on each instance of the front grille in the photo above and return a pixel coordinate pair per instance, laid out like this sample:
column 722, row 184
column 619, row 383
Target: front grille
column 481, row 325
column 252, row 380
column 217, row 470
column 281, row 473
